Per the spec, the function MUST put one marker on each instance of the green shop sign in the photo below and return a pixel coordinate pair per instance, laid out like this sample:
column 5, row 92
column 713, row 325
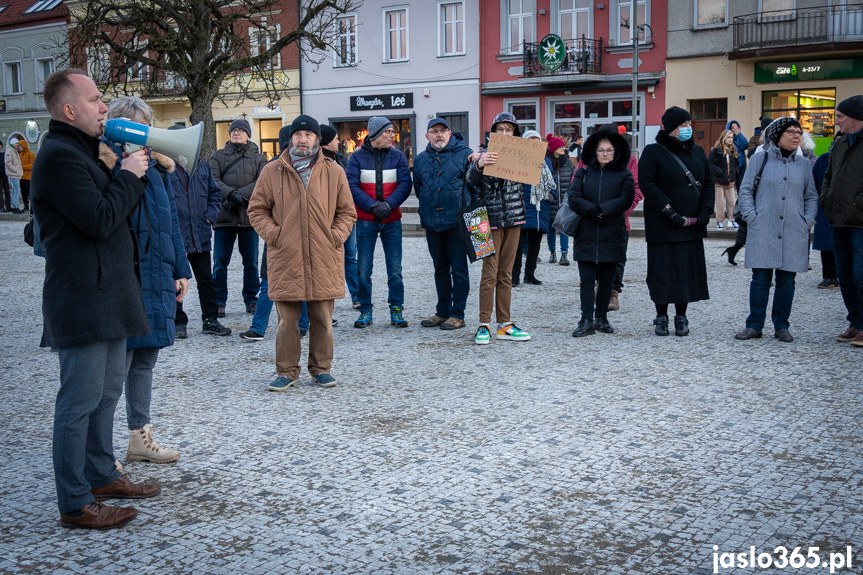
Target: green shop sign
column 552, row 52
column 802, row 70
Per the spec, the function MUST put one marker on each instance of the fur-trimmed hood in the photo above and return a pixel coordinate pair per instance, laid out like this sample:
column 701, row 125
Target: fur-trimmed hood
column 622, row 151
column 111, row 152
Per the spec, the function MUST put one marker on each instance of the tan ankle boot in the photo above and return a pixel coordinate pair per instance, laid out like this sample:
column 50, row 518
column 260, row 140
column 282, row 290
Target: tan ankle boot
column 142, row 447
column 614, row 304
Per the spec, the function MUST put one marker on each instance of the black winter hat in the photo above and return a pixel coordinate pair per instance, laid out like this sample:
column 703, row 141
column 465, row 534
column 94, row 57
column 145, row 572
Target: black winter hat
column 327, row 134
column 852, row 107
column 241, row 124
column 765, row 121
column 304, row 122
column 674, row 117
column 284, row 138
column 778, row 126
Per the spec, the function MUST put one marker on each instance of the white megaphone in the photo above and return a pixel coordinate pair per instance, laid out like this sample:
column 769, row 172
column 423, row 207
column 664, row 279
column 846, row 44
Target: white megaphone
column 172, row 143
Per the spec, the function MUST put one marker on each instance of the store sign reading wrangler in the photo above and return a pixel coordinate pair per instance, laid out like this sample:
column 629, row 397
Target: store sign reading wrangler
column 797, row 71
column 382, row 102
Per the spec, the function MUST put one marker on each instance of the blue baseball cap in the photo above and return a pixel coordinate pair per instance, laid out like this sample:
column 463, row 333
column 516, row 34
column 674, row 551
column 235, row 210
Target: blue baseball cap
column 441, row 121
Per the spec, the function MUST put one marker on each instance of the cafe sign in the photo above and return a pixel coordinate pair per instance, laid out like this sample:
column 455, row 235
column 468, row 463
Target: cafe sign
column 382, row 102
column 804, row 70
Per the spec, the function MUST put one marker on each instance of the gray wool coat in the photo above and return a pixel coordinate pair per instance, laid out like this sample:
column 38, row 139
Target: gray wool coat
column 781, row 213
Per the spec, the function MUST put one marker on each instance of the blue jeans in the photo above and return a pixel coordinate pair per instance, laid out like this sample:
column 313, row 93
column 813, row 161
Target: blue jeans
column 759, row 293
column 261, row 319
column 848, row 251
column 223, row 248
column 139, row 385
column 351, row 265
column 303, row 322
column 451, row 276
column 15, row 185
column 391, row 240
column 552, row 241
column 91, row 380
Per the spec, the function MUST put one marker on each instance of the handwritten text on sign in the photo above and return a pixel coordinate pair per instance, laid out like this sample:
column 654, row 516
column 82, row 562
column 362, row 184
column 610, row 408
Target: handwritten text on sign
column 518, row 159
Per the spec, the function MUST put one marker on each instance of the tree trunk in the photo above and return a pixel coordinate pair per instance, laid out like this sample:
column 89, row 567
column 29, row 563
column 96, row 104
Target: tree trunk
column 202, row 111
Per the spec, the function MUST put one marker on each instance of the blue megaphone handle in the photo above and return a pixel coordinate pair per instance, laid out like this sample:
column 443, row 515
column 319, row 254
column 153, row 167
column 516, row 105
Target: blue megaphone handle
column 126, row 131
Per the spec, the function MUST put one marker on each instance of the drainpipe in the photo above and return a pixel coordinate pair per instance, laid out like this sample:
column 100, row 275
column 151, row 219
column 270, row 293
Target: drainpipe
column 300, row 60
column 634, row 31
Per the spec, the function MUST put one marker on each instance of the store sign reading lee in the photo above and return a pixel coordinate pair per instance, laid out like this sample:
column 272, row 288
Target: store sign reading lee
column 382, row 102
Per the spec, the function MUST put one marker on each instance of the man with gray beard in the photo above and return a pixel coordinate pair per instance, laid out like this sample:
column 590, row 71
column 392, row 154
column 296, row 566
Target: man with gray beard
column 440, row 186
column 303, row 209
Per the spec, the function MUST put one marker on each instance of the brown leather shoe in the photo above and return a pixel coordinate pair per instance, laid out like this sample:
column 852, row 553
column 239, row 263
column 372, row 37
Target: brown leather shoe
column 99, row 516
column 614, row 304
column 858, row 340
column 123, row 488
column 848, row 335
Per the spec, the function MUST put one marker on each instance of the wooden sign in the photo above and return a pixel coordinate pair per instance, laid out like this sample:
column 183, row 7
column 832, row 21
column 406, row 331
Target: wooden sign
column 518, row 159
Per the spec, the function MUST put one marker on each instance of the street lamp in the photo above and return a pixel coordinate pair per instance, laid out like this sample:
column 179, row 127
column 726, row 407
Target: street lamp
column 636, row 32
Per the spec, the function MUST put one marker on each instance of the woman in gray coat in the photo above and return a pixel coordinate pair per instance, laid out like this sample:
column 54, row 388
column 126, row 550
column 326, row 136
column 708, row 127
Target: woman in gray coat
column 779, row 215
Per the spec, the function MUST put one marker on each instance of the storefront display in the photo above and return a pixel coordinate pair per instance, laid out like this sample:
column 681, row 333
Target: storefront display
column 813, row 108
column 352, row 134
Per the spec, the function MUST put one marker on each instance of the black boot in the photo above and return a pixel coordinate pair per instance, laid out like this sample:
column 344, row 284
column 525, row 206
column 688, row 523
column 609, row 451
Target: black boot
column 681, row 325
column 661, row 323
column 732, row 253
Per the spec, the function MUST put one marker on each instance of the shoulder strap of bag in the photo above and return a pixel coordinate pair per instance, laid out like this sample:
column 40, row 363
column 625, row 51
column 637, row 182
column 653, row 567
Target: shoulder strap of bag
column 760, row 171
column 231, row 165
column 695, row 183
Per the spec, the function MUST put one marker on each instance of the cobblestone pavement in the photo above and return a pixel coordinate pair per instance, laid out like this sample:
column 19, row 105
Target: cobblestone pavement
column 613, row 454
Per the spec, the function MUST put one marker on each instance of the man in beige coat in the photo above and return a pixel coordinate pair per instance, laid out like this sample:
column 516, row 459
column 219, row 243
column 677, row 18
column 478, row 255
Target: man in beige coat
column 303, row 208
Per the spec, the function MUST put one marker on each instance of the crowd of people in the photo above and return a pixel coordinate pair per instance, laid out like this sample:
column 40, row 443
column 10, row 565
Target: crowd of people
column 124, row 231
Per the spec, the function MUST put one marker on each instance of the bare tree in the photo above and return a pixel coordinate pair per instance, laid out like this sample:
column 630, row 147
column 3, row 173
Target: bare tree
column 199, row 50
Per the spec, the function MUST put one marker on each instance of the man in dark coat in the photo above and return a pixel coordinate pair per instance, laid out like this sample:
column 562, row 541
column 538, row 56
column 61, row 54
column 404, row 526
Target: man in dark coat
column 842, row 201
column 439, row 183
column 236, row 168
column 91, row 299
column 198, row 199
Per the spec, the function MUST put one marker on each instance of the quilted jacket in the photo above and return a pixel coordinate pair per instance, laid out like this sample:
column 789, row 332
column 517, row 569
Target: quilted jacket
column 439, row 184
column 375, row 175
column 304, row 228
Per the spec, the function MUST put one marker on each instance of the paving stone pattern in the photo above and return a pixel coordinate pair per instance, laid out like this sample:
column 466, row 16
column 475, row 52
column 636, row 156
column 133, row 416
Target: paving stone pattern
column 614, row 454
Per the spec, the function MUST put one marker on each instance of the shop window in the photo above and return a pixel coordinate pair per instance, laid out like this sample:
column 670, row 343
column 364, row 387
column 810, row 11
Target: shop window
column 222, row 134
column 596, row 109
column 396, row 34
column 576, row 117
column 711, row 13
column 451, row 29
column 352, row 134
column 519, row 24
column 525, row 114
column 346, row 42
column 716, row 109
column 814, row 108
column 269, row 130
column 622, row 108
column 621, row 33
column 458, row 124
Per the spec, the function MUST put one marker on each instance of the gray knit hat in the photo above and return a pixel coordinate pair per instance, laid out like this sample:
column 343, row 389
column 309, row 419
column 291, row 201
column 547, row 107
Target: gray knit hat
column 241, row 124
column 377, row 126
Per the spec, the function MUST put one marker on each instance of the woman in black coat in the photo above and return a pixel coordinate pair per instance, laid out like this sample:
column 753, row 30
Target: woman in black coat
column 676, row 214
column 600, row 193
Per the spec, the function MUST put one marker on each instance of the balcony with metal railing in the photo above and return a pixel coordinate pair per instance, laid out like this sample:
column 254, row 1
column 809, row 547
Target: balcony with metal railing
column 582, row 56
column 824, row 25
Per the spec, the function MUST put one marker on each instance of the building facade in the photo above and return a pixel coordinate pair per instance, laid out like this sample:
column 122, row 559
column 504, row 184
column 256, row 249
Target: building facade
column 741, row 59
column 407, row 61
column 593, row 84
column 32, row 33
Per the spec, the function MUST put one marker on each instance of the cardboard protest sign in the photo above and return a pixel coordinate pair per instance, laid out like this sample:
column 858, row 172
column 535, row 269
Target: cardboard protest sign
column 518, row 159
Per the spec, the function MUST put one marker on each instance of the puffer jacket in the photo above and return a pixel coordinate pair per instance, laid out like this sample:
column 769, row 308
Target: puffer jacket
column 608, row 190
column 240, row 178
column 440, row 185
column 304, row 227
column 13, row 163
column 538, row 219
column 198, row 199
column 376, row 175
column 842, row 191
column 782, row 211
column 724, row 169
column 663, row 182
column 27, row 159
column 160, row 247
column 504, row 198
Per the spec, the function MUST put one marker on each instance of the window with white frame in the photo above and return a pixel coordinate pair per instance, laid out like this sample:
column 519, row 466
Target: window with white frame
column 44, row 68
column 525, row 112
column 776, row 9
column 396, row 35
column 621, row 24
column 710, row 13
column 261, row 38
column 12, row 78
column 346, row 41
column 519, row 24
column 452, row 31
column 573, row 18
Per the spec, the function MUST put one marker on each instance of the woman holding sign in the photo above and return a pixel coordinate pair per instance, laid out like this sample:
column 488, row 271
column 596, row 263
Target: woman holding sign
column 601, row 193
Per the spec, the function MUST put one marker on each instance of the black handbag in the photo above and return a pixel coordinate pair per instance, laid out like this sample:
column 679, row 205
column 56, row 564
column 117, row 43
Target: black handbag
column 28, row 233
column 566, row 221
column 475, row 231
